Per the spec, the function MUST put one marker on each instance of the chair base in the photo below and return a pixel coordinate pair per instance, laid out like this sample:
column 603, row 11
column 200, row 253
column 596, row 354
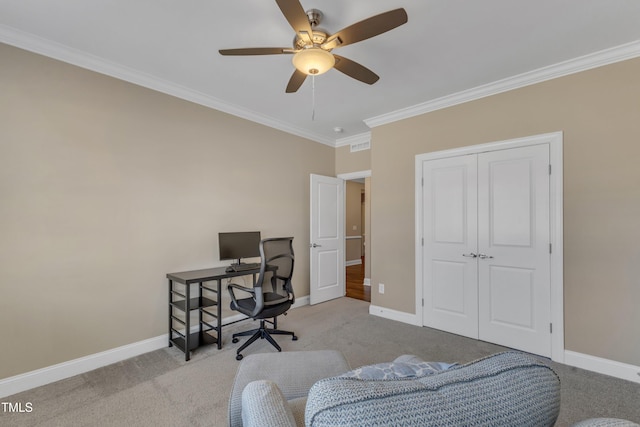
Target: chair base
column 263, row 333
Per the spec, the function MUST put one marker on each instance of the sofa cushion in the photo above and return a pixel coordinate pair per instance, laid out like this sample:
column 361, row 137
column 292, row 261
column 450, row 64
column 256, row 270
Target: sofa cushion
column 264, row 405
column 505, row 389
column 297, row 407
column 402, row 367
column 605, row 422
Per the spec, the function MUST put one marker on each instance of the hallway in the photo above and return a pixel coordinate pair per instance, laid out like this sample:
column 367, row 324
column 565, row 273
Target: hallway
column 354, row 283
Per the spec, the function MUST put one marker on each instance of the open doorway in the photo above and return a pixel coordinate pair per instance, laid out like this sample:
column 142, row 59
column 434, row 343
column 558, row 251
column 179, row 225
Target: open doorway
column 357, row 230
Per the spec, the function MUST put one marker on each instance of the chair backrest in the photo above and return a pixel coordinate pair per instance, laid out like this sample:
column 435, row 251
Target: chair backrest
column 277, row 252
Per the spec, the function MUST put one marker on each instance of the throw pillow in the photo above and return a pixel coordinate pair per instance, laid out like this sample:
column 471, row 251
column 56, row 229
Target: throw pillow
column 406, row 366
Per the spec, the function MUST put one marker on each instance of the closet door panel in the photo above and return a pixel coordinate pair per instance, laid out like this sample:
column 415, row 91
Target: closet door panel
column 450, row 232
column 513, row 247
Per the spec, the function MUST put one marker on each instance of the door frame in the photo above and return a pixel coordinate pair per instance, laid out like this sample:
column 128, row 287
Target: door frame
column 358, row 175
column 555, row 142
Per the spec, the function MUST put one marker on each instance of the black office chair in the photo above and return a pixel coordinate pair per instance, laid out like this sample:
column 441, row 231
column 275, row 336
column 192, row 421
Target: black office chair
column 276, row 267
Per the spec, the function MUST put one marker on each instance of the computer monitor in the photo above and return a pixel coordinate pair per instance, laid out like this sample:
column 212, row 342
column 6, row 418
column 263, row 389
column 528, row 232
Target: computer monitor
column 238, row 245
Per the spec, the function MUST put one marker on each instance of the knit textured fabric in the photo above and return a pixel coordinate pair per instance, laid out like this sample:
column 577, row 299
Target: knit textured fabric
column 506, row 389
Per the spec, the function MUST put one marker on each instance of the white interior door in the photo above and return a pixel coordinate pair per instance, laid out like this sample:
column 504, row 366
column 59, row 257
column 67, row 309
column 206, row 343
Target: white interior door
column 450, row 273
column 486, row 261
column 326, row 244
column 513, row 245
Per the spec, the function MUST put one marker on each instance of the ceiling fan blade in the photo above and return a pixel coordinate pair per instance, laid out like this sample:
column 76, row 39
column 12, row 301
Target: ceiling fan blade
column 368, row 28
column 256, row 51
column 295, row 81
column 295, row 14
column 355, row 70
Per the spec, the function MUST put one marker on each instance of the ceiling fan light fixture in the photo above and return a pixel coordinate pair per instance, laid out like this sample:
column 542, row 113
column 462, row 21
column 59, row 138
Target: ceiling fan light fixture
column 313, row 61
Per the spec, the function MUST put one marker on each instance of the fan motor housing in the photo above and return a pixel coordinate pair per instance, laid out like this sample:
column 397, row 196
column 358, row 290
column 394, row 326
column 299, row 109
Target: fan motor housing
column 318, row 37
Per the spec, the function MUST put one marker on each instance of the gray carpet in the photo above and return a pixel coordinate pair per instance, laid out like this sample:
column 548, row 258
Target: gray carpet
column 161, row 389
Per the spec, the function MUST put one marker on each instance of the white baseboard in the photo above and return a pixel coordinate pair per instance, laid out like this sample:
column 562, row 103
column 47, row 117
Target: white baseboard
column 39, row 377
column 353, row 262
column 367, row 281
column 388, row 313
column 602, row 366
column 584, row 361
column 50, row 374
column 300, row 301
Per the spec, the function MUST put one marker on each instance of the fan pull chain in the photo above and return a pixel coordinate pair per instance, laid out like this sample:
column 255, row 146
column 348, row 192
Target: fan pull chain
column 313, row 98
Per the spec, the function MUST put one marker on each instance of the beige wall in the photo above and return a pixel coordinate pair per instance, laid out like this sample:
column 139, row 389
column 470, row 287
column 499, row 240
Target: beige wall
column 353, row 218
column 347, row 162
column 106, row 186
column 599, row 112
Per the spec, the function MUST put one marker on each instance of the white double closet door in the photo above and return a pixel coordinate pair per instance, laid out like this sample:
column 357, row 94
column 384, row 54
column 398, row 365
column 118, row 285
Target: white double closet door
column 486, row 265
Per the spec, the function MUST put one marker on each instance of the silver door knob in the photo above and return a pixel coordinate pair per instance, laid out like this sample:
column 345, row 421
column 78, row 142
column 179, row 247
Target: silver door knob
column 471, row 255
column 315, row 245
column 484, row 256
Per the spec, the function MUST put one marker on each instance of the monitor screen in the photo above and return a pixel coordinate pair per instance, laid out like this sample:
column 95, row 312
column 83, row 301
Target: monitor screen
column 245, row 244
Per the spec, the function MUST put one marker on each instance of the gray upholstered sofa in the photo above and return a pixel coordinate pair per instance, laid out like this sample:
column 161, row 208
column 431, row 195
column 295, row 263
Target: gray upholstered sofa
column 298, row 388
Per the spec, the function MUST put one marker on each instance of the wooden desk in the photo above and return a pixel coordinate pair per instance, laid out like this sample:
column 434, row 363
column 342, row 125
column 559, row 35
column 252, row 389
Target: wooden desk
column 183, row 300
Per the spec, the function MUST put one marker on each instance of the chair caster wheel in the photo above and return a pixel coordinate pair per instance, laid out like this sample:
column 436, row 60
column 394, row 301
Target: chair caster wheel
column 295, row 338
column 239, row 357
column 235, row 340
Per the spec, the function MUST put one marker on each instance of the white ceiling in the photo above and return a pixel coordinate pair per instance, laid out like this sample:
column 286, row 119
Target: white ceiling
column 449, row 50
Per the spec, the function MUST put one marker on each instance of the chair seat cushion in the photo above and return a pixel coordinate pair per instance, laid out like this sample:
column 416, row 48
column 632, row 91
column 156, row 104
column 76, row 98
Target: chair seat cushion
column 247, row 305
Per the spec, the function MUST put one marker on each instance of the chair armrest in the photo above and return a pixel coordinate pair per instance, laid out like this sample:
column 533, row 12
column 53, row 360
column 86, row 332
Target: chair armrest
column 232, row 286
column 264, row 405
column 240, row 288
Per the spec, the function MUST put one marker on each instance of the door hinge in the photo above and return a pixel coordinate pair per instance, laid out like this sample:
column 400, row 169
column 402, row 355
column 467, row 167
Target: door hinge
column 549, row 169
column 423, row 181
column 423, row 241
column 423, row 302
column 550, row 248
column 550, row 328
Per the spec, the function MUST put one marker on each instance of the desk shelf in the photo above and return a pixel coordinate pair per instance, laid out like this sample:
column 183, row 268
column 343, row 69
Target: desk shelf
column 194, row 303
column 183, row 301
column 196, row 340
column 181, row 305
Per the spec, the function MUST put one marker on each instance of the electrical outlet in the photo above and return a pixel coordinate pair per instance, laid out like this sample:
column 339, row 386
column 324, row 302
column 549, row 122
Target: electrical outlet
column 381, row 288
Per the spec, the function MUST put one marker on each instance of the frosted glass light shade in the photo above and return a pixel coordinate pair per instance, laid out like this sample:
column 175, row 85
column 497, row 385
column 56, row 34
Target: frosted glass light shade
column 313, row 61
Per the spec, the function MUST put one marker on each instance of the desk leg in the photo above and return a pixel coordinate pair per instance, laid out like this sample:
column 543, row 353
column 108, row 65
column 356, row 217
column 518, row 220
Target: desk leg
column 219, row 313
column 187, row 322
column 170, row 310
column 200, row 312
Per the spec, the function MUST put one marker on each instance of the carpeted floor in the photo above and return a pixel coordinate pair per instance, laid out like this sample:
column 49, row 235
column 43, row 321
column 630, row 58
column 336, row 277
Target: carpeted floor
column 161, row 389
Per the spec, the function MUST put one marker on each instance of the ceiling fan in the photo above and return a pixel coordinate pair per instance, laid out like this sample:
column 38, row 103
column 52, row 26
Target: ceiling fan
column 312, row 45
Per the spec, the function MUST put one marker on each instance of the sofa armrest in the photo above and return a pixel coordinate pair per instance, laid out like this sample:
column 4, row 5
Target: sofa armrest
column 293, row 371
column 263, row 405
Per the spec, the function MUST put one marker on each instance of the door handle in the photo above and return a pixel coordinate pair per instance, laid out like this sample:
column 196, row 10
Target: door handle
column 484, row 256
column 471, row 255
column 315, row 245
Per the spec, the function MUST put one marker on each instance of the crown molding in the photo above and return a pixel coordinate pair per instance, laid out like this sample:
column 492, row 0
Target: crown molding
column 35, row 44
column 572, row 66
